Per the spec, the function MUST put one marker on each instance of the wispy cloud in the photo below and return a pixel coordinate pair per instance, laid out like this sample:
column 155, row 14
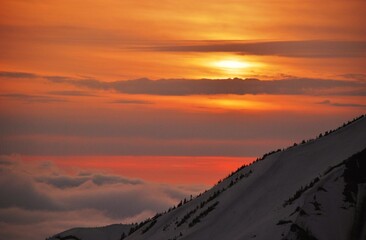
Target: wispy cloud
column 32, row 98
column 88, row 82
column 67, row 35
column 63, row 182
column 17, row 75
column 330, row 103
column 305, row 49
column 71, row 93
column 132, row 101
column 101, row 179
column 354, row 76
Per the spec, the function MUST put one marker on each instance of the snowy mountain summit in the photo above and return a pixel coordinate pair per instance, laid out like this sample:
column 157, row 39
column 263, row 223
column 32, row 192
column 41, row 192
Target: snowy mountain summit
column 312, row 190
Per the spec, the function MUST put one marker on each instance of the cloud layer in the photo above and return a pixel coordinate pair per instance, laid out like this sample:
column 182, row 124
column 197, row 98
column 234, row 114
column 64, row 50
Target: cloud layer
column 63, row 182
column 33, row 194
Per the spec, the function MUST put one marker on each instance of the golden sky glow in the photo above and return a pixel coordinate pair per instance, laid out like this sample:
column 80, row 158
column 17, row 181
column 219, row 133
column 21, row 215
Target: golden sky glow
column 85, row 79
column 109, row 39
column 114, row 40
column 110, row 103
column 172, row 170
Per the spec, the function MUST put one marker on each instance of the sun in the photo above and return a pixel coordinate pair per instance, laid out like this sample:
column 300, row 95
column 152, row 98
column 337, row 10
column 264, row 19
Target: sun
column 231, row 64
column 231, row 67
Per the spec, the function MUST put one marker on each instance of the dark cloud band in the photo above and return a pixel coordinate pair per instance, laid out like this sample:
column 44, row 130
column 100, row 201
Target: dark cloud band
column 236, row 86
column 335, row 104
column 305, row 49
column 186, row 87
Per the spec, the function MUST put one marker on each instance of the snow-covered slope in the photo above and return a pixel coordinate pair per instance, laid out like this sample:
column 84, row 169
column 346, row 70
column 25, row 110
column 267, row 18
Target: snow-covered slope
column 290, row 194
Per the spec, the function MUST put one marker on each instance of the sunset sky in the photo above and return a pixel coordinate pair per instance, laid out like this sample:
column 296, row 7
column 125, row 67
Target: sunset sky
column 112, row 110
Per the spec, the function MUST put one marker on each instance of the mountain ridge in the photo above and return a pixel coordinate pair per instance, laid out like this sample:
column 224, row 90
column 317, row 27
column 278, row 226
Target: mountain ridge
column 254, row 196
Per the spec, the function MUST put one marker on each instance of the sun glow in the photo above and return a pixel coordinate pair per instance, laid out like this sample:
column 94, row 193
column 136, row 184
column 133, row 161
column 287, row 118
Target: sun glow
column 238, row 104
column 231, row 64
